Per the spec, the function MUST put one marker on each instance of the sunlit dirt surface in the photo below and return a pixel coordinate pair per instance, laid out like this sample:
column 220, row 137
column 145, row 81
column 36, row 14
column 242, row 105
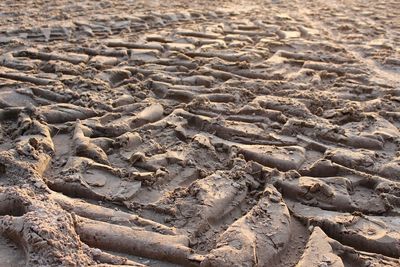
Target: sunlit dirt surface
column 199, row 133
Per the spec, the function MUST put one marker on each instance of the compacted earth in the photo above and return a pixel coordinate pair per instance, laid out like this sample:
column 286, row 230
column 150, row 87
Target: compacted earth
column 199, row 133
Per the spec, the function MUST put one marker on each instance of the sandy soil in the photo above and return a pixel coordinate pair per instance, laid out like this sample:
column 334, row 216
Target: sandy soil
column 199, row 133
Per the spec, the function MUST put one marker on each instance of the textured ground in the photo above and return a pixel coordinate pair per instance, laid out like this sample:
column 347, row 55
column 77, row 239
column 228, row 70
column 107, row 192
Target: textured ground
column 199, row 133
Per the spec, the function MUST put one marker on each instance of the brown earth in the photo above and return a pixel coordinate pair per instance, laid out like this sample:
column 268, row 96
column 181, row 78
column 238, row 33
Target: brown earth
column 199, row 133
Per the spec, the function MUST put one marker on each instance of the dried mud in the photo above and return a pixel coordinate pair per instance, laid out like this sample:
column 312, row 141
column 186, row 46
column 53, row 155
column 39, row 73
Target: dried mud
column 188, row 133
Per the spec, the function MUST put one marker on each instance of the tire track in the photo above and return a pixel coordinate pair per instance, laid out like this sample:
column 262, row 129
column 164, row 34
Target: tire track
column 249, row 136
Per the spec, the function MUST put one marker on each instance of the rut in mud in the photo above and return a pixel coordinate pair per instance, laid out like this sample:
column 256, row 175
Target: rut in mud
column 178, row 134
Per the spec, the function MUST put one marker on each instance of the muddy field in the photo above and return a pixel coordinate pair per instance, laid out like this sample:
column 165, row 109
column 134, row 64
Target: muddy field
column 199, row 133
